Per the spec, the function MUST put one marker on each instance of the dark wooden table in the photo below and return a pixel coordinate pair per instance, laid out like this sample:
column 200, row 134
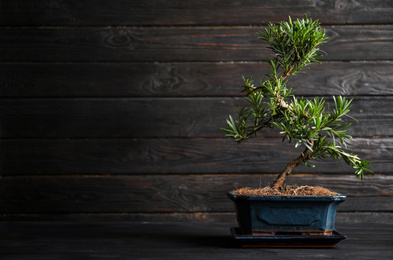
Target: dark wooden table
column 131, row 240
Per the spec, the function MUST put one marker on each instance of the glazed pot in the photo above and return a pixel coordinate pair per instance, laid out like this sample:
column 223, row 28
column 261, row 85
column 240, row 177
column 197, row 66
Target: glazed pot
column 270, row 215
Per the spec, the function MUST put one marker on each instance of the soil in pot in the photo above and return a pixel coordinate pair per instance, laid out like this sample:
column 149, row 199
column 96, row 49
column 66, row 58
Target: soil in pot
column 286, row 190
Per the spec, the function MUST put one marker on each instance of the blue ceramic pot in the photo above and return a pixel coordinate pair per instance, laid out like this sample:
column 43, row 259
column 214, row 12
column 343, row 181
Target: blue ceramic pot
column 280, row 214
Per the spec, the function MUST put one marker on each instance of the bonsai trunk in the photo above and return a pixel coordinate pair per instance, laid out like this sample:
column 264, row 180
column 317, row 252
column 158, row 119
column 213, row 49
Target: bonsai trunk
column 289, row 168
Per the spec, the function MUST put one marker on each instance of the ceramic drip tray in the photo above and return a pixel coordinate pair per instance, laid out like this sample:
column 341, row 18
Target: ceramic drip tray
column 287, row 240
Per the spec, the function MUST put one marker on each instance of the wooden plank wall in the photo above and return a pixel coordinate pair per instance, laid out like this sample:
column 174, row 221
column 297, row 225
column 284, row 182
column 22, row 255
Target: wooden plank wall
column 112, row 109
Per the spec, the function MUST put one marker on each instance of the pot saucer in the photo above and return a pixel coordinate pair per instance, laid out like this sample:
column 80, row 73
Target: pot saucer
column 287, row 240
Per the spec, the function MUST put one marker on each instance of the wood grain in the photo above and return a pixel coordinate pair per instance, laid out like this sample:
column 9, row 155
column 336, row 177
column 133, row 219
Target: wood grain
column 112, row 109
column 342, row 217
column 155, row 117
column 167, row 241
column 165, row 44
column 164, row 12
column 170, row 193
column 174, row 156
column 191, row 79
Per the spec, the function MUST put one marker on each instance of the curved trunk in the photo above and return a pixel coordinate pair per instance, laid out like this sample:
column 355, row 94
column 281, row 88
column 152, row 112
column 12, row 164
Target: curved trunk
column 278, row 182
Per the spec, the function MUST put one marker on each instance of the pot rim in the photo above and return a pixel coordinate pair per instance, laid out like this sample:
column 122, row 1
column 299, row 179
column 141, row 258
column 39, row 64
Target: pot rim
column 338, row 197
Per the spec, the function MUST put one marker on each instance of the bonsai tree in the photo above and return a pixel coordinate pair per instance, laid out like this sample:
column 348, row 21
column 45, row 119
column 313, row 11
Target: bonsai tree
column 305, row 122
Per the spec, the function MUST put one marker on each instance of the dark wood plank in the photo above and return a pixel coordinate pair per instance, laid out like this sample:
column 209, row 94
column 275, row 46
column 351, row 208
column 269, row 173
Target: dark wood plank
column 155, row 117
column 342, row 217
column 196, row 79
column 176, row 156
column 167, row 241
column 165, row 44
column 164, row 12
column 170, row 193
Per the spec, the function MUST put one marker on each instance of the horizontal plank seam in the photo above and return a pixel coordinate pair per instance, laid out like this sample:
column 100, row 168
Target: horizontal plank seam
column 5, row 139
column 124, row 97
column 195, row 61
column 182, row 212
column 99, row 98
column 162, row 97
column 207, row 175
column 159, row 213
column 163, row 213
column 181, row 26
column 218, row 62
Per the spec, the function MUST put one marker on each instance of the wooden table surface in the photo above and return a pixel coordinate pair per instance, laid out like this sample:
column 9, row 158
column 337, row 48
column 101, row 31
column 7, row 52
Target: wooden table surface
column 140, row 240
